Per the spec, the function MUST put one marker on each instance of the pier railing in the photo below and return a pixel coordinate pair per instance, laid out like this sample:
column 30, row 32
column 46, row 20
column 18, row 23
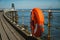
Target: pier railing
column 23, row 20
column 12, row 18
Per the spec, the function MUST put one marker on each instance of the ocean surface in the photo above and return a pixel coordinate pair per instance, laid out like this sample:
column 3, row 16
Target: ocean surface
column 24, row 18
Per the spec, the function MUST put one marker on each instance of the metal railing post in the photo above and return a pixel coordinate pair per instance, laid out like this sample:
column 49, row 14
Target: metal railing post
column 49, row 25
column 16, row 17
column 11, row 15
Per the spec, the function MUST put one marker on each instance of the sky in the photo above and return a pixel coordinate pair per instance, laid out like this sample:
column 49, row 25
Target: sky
column 29, row 4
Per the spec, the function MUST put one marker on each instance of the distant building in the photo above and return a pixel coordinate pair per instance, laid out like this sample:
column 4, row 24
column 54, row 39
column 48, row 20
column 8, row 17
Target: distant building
column 13, row 7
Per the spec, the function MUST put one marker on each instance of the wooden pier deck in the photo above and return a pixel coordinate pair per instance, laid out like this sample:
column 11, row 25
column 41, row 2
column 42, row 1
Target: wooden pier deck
column 7, row 32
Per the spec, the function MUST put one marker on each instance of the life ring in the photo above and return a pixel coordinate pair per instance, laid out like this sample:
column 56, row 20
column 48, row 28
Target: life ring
column 37, row 22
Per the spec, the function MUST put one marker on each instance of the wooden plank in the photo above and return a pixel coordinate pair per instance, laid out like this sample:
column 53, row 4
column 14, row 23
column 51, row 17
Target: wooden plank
column 13, row 31
column 2, row 32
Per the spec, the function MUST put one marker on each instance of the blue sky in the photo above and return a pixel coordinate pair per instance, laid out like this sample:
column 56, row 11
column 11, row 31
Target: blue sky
column 25, row 4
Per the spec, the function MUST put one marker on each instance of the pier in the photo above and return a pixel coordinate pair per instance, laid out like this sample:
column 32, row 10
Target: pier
column 11, row 30
column 7, row 32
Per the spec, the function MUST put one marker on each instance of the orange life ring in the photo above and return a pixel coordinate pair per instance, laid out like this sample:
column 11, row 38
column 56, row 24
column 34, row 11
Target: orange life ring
column 37, row 22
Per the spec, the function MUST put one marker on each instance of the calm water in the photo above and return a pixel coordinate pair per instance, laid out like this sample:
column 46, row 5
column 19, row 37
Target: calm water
column 55, row 23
